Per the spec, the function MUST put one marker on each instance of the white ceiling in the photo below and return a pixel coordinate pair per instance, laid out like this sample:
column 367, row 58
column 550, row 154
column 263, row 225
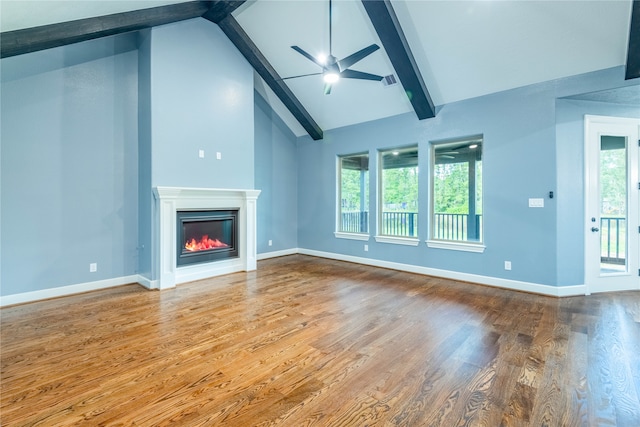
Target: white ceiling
column 463, row 49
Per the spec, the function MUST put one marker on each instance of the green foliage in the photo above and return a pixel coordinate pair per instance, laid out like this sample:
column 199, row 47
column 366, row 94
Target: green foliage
column 451, row 188
column 400, row 189
column 350, row 190
column 613, row 182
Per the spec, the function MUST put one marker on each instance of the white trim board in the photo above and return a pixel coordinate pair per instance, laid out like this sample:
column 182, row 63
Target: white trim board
column 276, row 254
column 63, row 291
column 556, row 291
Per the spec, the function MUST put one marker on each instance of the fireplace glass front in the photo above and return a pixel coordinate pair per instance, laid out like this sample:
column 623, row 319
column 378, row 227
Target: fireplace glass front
column 206, row 236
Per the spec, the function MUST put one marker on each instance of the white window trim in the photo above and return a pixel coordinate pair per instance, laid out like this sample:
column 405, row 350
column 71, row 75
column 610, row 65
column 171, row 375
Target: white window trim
column 351, row 236
column 456, row 246
column 344, row 234
column 407, row 241
column 395, row 240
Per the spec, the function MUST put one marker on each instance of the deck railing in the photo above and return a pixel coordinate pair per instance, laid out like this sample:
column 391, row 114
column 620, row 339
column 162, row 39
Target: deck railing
column 399, row 224
column 355, row 222
column 456, row 226
column 393, row 223
column 613, row 232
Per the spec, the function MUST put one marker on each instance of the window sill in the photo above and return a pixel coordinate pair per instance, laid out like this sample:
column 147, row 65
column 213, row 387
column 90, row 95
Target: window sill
column 456, row 246
column 351, row 236
column 408, row 241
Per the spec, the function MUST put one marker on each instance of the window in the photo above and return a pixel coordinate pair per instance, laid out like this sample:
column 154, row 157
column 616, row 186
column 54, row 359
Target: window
column 456, row 208
column 398, row 216
column 353, row 182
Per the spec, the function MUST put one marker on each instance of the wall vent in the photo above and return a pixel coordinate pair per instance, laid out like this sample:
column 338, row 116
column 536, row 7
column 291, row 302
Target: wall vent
column 389, row 80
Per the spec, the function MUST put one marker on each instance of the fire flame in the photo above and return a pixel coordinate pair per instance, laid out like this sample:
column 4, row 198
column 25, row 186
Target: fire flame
column 205, row 243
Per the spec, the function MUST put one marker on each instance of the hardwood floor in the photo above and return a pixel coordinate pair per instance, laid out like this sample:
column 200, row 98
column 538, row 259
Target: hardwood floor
column 307, row 341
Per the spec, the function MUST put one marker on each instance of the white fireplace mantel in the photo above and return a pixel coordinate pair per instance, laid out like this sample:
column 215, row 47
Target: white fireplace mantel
column 172, row 199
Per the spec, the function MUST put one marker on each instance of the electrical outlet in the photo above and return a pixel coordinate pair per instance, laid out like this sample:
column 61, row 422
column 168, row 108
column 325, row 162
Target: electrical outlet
column 366, row 248
column 93, row 267
column 219, row 155
column 201, row 154
column 507, row 265
column 270, row 242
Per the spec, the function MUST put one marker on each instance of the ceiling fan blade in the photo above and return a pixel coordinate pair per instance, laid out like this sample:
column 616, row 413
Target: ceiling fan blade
column 301, row 75
column 353, row 74
column 307, row 55
column 355, row 57
column 327, row 88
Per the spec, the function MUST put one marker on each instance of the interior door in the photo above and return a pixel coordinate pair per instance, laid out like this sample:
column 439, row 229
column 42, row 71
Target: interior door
column 612, row 245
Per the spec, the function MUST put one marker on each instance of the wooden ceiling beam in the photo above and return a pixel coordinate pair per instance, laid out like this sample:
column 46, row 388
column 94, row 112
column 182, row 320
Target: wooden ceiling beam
column 250, row 51
column 390, row 32
column 34, row 39
column 220, row 9
column 633, row 51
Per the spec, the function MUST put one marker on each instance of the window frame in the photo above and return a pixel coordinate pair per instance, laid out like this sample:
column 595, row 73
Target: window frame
column 352, row 235
column 477, row 246
column 387, row 238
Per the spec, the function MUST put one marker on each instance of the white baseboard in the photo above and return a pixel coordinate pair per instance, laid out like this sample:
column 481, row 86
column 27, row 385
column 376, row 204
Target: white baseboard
column 556, row 291
column 148, row 283
column 275, row 254
column 67, row 290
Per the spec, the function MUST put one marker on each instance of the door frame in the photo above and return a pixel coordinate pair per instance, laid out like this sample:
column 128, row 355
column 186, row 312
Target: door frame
column 594, row 126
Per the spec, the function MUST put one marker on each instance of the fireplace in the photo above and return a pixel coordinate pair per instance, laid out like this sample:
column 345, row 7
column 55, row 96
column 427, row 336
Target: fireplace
column 217, row 217
column 206, row 236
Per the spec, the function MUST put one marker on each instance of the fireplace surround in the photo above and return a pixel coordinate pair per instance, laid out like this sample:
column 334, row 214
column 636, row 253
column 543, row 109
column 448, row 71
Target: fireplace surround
column 229, row 203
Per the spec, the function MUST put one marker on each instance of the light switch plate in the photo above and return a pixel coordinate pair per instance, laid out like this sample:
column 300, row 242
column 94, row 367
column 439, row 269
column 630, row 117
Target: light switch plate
column 536, row 203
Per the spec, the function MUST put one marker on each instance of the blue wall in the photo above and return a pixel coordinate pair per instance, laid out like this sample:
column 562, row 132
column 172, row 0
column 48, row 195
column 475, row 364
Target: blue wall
column 571, row 187
column 520, row 161
column 202, row 99
column 145, row 188
column 276, row 175
column 199, row 98
column 89, row 129
column 69, row 165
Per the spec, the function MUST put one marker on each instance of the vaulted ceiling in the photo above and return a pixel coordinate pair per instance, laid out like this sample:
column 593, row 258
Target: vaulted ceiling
column 438, row 51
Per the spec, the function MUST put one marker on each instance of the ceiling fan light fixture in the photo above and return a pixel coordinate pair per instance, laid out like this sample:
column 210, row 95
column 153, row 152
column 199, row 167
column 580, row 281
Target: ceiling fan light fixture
column 334, row 69
column 331, row 77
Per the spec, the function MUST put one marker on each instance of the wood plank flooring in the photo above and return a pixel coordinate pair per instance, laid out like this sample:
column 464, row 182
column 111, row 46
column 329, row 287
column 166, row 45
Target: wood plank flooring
column 307, row 341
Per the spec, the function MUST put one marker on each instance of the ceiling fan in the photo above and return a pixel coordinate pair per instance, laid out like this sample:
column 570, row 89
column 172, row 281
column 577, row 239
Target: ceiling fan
column 333, row 69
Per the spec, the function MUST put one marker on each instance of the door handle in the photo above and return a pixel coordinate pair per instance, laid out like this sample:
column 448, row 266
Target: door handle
column 595, row 229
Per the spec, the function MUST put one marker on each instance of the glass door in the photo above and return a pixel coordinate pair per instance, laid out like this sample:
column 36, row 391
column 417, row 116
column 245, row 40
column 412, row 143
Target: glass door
column 611, row 241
